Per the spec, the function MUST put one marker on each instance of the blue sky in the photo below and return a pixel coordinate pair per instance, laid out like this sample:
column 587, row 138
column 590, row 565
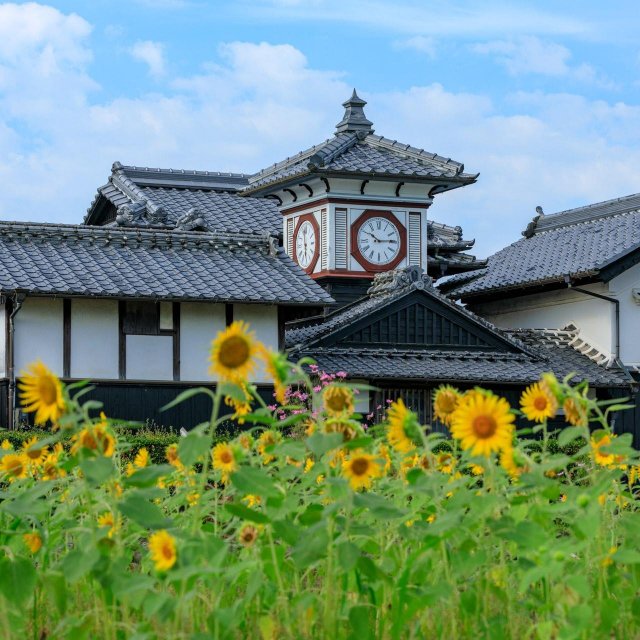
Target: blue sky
column 541, row 98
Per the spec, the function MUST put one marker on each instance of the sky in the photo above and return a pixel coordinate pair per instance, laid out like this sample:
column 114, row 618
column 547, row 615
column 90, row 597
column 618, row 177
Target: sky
column 541, row 98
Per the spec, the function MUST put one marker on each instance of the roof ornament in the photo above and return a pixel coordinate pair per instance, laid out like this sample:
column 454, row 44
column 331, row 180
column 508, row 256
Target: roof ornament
column 131, row 215
column 191, row 221
column 354, row 120
column 392, row 281
column 530, row 231
column 156, row 214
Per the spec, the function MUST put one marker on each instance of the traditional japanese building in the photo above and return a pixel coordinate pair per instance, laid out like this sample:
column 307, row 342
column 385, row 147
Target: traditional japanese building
column 578, row 268
column 331, row 252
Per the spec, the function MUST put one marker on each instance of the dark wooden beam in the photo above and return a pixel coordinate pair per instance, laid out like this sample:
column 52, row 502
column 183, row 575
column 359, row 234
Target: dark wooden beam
column 66, row 337
column 228, row 309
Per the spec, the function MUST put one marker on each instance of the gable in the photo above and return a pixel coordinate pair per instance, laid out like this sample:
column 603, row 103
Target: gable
column 418, row 320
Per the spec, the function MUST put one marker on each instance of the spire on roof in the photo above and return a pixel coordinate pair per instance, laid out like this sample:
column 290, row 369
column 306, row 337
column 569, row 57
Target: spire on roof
column 354, row 119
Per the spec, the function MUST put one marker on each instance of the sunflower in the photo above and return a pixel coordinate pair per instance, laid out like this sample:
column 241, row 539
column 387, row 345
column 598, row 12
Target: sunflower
column 241, row 406
column 599, row 443
column 576, row 412
column 171, row 454
column 347, row 428
column 308, row 465
column 6, row 445
column 538, row 403
column 95, row 438
column 192, row 498
column 338, row 400
column 50, row 468
column 267, row 439
column 41, row 391
column 107, row 519
column 15, row 466
column 233, row 353
column 142, row 458
column 251, row 500
column 36, row 454
column 245, row 440
column 385, row 456
column 446, row 462
column 278, row 368
column 445, row 401
column 476, row 469
column 224, row 460
column 361, row 468
column 33, row 541
column 162, row 546
column 513, row 462
column 248, row 535
column 484, row 423
column 403, row 424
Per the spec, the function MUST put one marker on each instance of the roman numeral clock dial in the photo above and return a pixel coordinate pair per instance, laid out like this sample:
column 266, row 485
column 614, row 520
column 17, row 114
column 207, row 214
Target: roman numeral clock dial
column 306, row 245
column 378, row 241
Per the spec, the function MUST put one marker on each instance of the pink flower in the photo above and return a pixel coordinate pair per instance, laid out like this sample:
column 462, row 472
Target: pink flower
column 389, row 401
column 341, row 374
column 313, row 368
column 317, row 388
column 272, row 407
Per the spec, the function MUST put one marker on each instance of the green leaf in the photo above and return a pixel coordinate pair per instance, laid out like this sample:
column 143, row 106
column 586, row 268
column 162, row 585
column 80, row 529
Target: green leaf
column 97, row 470
column 626, row 556
column 127, row 584
column 378, row 506
column 186, row 395
column 143, row 512
column 56, row 586
column 232, row 390
column 251, row 480
column 17, row 580
column 348, row 554
column 362, row 622
column 245, row 513
column 78, row 563
column 286, row 530
column 569, row 435
column 320, row 443
column 311, row 515
column 148, row 476
column 193, row 446
column 310, row 549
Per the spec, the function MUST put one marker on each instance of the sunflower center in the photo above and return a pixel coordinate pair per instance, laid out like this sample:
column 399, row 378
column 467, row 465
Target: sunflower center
column 48, row 391
column 15, row 467
column 447, row 402
column 540, row 403
column 167, row 552
column 226, row 457
column 360, row 466
column 234, row 352
column 89, row 441
column 34, row 454
column 484, row 426
column 337, row 401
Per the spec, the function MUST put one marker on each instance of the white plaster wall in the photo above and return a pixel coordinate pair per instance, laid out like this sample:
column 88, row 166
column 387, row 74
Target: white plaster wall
column 556, row 309
column 263, row 320
column 94, row 339
column 363, row 402
column 622, row 287
column 38, row 334
column 149, row 357
column 3, row 346
column 200, row 322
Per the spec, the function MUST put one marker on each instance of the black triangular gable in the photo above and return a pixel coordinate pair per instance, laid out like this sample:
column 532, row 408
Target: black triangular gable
column 418, row 319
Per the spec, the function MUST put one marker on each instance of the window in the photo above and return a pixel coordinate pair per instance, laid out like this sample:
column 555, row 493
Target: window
column 147, row 318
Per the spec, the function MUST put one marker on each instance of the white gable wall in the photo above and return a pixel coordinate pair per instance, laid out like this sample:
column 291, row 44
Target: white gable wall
column 556, row 309
column 38, row 334
column 622, row 288
column 200, row 322
column 263, row 321
column 3, row 346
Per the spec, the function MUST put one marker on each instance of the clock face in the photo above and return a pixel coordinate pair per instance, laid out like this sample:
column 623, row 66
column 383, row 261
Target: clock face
column 379, row 241
column 306, row 242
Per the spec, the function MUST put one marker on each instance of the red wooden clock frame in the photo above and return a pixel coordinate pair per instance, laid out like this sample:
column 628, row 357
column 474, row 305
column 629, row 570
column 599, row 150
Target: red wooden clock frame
column 307, row 217
column 355, row 249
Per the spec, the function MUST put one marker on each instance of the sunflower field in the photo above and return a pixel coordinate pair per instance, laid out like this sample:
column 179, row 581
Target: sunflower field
column 306, row 524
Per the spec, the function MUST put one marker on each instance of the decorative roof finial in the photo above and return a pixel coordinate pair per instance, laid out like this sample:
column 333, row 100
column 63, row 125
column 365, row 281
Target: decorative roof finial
column 354, row 119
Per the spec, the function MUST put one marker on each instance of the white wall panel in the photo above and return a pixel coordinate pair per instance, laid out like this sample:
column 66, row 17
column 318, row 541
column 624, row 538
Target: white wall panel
column 149, row 357
column 38, row 334
column 200, row 322
column 622, row 288
column 94, row 339
column 263, row 320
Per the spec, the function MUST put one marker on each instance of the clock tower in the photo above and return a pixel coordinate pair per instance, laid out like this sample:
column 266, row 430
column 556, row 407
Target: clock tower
column 356, row 205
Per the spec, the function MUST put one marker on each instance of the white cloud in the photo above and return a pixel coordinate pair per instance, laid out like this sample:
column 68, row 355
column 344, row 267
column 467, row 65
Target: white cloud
column 152, row 54
column 259, row 103
column 421, row 44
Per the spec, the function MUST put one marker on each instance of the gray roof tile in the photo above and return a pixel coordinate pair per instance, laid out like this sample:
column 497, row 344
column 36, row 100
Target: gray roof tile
column 578, row 242
column 106, row 261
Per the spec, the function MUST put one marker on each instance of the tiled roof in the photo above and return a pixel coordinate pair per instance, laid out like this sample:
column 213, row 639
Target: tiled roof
column 209, row 196
column 579, row 242
column 554, row 349
column 371, row 155
column 387, row 289
column 140, row 263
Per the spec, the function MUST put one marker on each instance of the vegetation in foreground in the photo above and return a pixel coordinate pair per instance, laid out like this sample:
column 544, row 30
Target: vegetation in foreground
column 335, row 531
